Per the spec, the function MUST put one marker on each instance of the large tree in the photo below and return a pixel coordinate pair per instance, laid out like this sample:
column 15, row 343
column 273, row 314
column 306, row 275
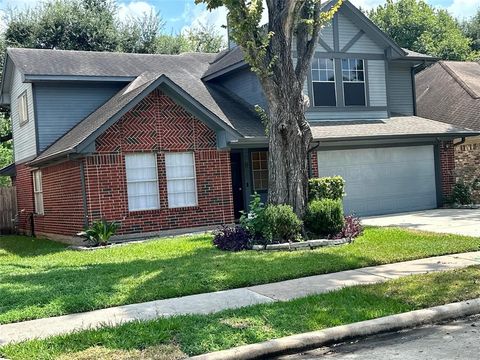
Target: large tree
column 293, row 25
column 418, row 26
column 471, row 28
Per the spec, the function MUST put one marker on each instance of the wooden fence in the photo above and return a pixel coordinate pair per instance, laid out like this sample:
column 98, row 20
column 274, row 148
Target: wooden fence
column 8, row 209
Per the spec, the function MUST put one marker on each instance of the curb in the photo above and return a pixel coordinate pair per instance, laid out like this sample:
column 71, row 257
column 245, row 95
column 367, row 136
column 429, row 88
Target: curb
column 310, row 340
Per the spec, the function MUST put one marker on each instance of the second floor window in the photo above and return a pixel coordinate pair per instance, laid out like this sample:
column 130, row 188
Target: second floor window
column 353, row 76
column 22, row 108
column 323, row 82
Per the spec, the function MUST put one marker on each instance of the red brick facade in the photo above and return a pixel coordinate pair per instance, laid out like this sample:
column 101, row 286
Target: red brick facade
column 467, row 164
column 447, row 165
column 314, row 164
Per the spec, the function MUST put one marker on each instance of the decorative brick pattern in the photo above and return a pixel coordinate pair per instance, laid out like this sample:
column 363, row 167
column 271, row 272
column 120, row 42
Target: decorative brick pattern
column 447, row 165
column 160, row 125
column 467, row 164
column 62, row 197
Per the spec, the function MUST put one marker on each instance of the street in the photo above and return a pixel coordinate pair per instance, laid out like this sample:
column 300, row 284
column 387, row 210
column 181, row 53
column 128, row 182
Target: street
column 454, row 340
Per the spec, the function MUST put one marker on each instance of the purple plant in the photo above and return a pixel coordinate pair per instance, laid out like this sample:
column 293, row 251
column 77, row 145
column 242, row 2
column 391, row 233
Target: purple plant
column 232, row 238
column 352, row 228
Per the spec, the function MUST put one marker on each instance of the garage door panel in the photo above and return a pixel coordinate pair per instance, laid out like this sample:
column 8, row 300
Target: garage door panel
column 383, row 180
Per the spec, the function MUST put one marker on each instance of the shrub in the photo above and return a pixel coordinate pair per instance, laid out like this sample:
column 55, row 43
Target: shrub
column 352, row 227
column 462, row 194
column 324, row 217
column 100, row 232
column 232, row 238
column 279, row 224
column 326, row 188
column 251, row 220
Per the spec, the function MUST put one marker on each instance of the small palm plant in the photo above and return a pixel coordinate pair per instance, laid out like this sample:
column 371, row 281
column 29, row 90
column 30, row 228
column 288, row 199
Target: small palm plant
column 100, row 232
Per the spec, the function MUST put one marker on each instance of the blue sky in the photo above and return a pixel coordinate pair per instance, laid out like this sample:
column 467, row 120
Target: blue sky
column 181, row 14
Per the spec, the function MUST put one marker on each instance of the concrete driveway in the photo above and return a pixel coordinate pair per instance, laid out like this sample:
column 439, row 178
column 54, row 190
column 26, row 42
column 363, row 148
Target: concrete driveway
column 452, row 221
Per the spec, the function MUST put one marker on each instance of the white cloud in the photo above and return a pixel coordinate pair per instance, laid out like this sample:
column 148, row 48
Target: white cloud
column 134, row 9
column 367, row 4
column 464, row 8
column 198, row 16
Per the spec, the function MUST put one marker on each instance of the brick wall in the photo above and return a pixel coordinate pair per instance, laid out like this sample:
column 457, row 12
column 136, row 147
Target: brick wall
column 467, row 163
column 158, row 125
column 62, row 198
column 314, row 164
column 447, row 166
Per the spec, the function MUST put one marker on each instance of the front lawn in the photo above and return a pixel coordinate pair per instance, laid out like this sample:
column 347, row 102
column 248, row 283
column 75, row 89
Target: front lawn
column 39, row 278
column 174, row 337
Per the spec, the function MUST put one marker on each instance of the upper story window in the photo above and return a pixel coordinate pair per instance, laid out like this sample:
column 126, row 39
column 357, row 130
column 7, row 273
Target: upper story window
column 181, row 179
column 22, row 108
column 353, row 76
column 323, row 82
column 260, row 170
column 142, row 181
column 38, row 191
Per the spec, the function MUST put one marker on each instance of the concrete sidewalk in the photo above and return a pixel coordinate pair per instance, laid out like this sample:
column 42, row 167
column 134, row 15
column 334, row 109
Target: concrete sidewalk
column 231, row 299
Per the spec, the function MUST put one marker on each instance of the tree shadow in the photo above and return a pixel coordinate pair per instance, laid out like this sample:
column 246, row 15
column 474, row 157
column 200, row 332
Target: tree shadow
column 26, row 246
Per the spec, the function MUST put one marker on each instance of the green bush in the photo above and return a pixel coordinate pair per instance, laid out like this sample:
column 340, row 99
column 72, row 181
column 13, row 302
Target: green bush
column 279, row 224
column 462, row 194
column 326, row 188
column 324, row 217
column 252, row 220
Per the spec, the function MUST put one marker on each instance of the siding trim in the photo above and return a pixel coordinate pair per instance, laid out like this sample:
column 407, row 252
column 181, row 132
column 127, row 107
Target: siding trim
column 353, row 41
column 325, row 45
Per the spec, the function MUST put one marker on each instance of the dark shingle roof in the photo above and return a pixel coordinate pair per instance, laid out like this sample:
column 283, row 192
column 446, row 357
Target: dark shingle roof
column 449, row 91
column 397, row 126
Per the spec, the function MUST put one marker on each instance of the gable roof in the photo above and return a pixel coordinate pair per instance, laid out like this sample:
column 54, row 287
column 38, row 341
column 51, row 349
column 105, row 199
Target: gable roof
column 449, row 91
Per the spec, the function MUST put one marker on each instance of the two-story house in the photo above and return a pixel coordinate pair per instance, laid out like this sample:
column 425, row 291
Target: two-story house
column 162, row 142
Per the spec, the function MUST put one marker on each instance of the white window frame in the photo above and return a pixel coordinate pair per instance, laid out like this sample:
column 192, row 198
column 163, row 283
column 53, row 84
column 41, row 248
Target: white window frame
column 153, row 180
column 254, row 171
column 170, row 179
column 22, row 108
column 38, row 192
column 326, row 70
column 364, row 82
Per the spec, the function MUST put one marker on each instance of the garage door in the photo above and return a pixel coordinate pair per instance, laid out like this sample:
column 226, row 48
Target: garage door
column 383, row 180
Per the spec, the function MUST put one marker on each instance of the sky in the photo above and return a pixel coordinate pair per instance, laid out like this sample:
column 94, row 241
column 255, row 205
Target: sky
column 182, row 14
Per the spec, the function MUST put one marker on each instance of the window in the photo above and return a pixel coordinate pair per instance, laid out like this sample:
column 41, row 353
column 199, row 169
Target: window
column 38, row 191
column 22, row 108
column 353, row 76
column 181, row 181
column 142, row 181
column 260, row 170
column 323, row 82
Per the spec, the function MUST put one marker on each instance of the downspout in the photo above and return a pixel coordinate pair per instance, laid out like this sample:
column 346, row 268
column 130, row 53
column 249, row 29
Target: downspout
column 460, row 142
column 84, row 194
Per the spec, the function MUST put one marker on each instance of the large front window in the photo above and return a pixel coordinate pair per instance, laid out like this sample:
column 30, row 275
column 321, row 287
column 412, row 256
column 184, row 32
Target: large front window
column 323, row 82
column 181, row 181
column 353, row 76
column 142, row 181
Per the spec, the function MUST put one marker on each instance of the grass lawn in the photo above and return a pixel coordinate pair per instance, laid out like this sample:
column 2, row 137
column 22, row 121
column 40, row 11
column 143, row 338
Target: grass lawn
column 39, row 278
column 173, row 338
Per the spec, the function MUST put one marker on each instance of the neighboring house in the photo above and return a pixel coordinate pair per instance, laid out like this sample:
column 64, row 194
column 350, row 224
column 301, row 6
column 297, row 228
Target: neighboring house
column 162, row 142
column 449, row 91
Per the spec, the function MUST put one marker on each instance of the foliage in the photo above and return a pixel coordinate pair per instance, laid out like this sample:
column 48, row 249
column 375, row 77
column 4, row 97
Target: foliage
column 461, row 194
column 352, row 228
column 204, row 38
column 326, row 188
column 324, row 217
column 232, row 238
column 49, row 280
column 252, row 220
column 100, row 232
column 279, row 224
column 471, row 29
column 418, row 26
column 6, row 151
column 199, row 334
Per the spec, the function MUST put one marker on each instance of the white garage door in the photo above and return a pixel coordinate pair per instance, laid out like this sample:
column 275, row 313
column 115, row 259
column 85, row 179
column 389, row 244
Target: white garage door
column 383, row 180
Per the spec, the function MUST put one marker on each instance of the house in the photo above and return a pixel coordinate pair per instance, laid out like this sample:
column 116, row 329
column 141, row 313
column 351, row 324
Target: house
column 449, row 91
column 164, row 142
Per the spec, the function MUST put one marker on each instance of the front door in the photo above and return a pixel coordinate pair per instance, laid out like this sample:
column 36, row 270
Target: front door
column 237, row 189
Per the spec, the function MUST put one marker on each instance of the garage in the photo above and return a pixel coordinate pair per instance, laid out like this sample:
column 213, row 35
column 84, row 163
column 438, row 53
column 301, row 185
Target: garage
column 383, row 180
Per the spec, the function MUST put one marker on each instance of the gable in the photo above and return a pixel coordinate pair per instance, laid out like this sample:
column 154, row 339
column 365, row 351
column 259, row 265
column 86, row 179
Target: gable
column 353, row 38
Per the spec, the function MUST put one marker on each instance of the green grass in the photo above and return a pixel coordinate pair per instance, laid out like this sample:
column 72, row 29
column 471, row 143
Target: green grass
column 39, row 278
column 199, row 334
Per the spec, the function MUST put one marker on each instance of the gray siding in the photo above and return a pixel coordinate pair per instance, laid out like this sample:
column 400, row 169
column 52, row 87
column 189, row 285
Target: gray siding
column 400, row 90
column 60, row 106
column 376, row 82
column 326, row 35
column 246, row 85
column 345, row 115
column 348, row 30
column 24, row 141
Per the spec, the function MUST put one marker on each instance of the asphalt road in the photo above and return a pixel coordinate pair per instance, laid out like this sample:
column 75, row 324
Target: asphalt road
column 454, row 340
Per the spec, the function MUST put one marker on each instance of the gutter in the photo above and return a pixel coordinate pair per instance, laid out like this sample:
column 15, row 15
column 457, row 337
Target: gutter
column 462, row 141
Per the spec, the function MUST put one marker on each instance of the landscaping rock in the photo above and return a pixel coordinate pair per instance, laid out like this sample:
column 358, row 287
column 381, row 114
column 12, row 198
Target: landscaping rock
column 302, row 245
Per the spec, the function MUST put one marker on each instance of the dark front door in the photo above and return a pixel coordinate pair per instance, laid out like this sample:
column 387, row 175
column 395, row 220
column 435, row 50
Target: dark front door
column 237, row 189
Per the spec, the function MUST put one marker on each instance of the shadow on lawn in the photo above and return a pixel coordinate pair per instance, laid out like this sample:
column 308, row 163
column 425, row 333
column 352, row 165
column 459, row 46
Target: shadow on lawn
column 26, row 246
column 55, row 290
